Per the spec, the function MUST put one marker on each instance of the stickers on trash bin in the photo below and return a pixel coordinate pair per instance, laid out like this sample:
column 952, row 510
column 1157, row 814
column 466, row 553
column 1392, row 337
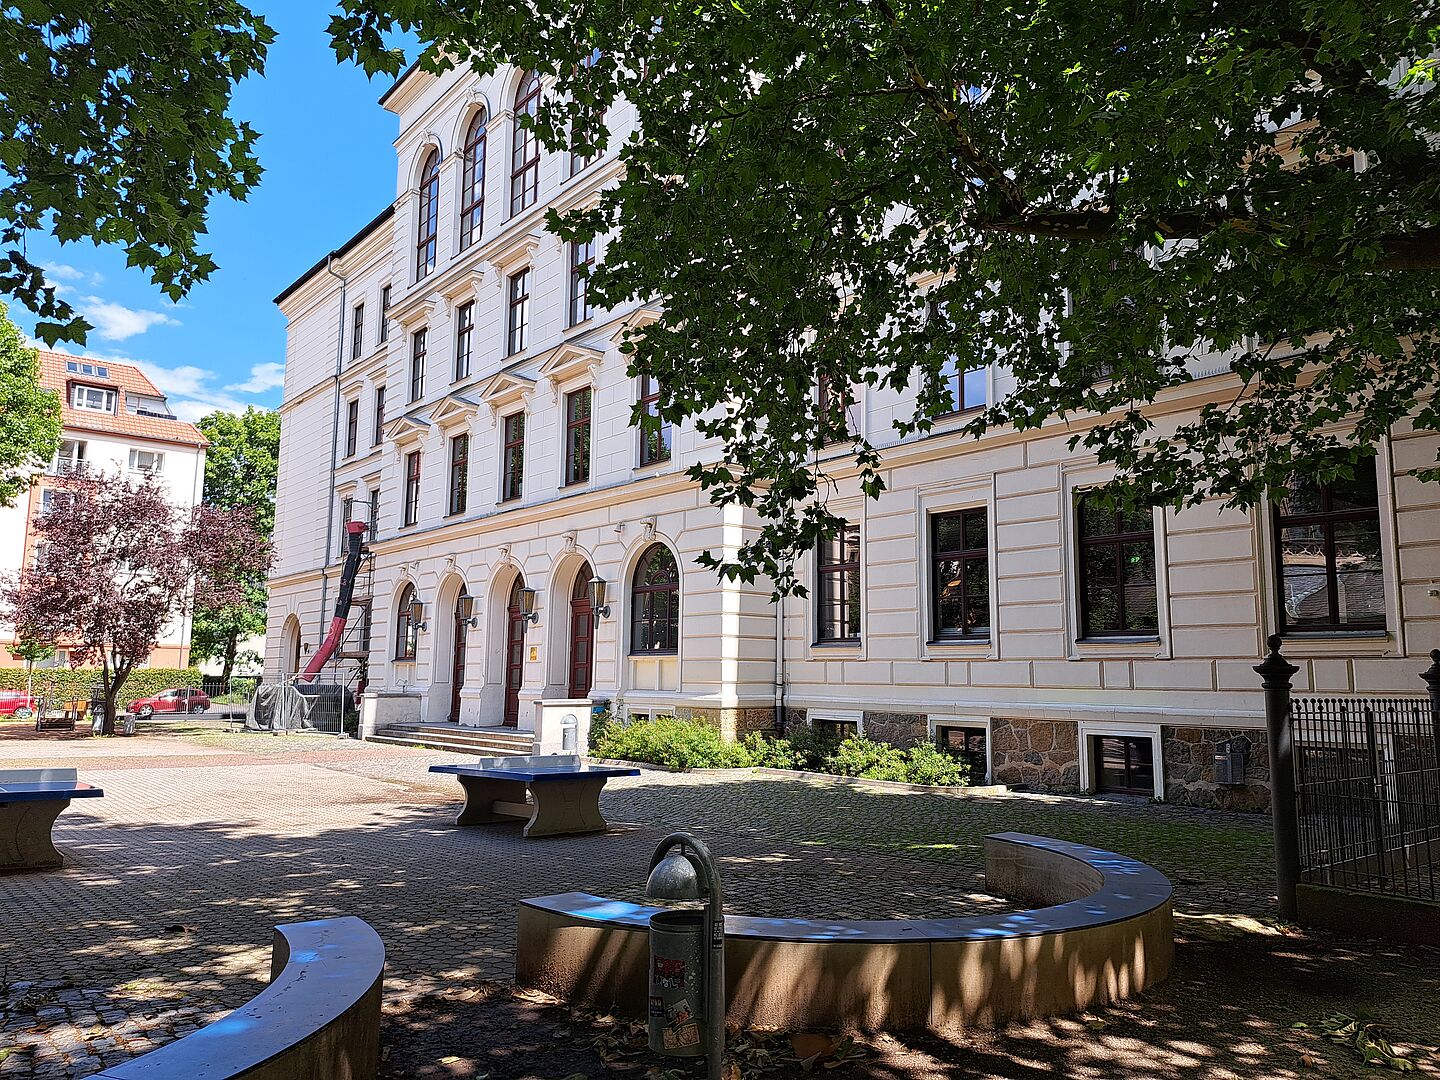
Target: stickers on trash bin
column 669, row 972
column 679, row 1013
column 657, row 1008
column 676, row 1038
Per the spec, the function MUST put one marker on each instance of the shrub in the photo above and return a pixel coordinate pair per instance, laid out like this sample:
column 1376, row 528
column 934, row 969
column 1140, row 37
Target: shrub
column 771, row 752
column 69, row 684
column 811, row 745
column 677, row 744
column 927, row 765
column 859, row 756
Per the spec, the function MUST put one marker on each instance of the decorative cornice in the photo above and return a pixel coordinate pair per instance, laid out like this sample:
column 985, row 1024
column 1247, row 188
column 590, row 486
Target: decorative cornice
column 453, row 409
column 569, row 360
column 505, row 388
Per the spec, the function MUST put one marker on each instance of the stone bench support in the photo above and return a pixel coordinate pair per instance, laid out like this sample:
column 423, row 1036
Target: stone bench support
column 1105, row 934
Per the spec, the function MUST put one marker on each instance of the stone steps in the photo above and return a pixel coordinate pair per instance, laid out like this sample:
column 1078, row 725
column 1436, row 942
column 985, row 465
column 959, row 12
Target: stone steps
column 480, row 742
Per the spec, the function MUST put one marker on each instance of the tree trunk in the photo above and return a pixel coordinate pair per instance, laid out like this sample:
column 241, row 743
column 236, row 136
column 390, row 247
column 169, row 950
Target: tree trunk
column 232, row 645
column 107, row 685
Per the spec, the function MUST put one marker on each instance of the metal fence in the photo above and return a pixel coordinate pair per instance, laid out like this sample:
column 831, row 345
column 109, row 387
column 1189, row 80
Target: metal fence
column 1367, row 794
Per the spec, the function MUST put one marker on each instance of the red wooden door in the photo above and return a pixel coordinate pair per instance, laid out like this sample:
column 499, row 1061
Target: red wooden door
column 457, row 662
column 514, row 657
column 582, row 636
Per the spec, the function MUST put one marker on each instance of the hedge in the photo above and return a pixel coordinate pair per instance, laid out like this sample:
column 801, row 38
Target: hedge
column 68, row 684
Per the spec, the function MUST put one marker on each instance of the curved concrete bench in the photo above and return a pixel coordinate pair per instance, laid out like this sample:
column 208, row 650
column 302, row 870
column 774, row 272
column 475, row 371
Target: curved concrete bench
column 320, row 1015
column 1106, row 934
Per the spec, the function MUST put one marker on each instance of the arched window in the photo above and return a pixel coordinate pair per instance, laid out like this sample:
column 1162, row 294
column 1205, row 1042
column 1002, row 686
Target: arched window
column 405, row 630
column 655, row 603
column 472, row 182
column 525, row 147
column 427, row 228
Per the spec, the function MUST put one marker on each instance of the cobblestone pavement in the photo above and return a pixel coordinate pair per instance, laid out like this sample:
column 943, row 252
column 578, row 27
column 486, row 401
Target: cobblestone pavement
column 161, row 921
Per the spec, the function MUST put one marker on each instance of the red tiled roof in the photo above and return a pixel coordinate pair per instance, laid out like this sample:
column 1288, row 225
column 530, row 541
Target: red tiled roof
column 124, row 378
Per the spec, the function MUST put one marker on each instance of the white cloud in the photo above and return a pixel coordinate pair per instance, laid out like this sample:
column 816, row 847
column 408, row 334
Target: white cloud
column 263, row 377
column 116, row 322
column 65, row 272
column 192, row 409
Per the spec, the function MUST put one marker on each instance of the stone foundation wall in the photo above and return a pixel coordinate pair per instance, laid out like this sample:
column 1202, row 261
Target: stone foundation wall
column 898, row 729
column 1190, row 769
column 1038, row 755
column 733, row 724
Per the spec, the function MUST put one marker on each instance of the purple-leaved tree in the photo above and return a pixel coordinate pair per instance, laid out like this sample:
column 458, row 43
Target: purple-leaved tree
column 115, row 563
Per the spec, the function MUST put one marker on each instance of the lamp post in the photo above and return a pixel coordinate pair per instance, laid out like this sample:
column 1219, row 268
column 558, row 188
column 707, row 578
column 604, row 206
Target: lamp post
column 682, row 868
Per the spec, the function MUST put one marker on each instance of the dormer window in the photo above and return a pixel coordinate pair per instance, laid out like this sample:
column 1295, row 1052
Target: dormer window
column 96, row 371
column 94, row 398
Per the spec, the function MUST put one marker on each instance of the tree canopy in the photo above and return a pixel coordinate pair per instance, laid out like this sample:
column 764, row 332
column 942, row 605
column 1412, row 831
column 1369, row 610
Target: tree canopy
column 1088, row 196
column 30, row 431
column 114, row 128
column 241, row 467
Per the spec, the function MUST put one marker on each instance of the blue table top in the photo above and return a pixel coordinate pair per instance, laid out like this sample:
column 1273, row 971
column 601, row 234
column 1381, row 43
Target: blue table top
column 537, row 774
column 40, row 791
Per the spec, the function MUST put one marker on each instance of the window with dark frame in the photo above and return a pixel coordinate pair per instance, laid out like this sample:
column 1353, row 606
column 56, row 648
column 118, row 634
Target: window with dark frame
column 1124, row 764
column 378, row 436
column 347, row 511
column 577, row 436
column 839, row 730
column 655, row 433
column 512, row 481
column 960, row 576
column 655, row 603
column 374, row 518
column 427, row 226
column 966, row 390
column 837, row 593
column 525, row 146
column 384, row 332
column 464, row 335
column 580, row 116
column 1327, row 554
column 357, row 332
column 1118, row 596
column 352, row 427
column 459, row 472
column 969, row 744
column 472, row 182
column 517, row 321
column 412, row 487
column 406, row 633
column 417, row 364
column 582, row 262
column 830, row 398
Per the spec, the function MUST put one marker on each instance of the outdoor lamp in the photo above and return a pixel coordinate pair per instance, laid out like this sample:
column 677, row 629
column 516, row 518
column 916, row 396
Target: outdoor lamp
column 674, row 877
column 417, row 614
column 465, row 611
column 527, row 604
column 597, row 598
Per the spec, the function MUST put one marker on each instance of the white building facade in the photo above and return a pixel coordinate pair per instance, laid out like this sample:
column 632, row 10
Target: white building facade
column 447, row 382
column 114, row 422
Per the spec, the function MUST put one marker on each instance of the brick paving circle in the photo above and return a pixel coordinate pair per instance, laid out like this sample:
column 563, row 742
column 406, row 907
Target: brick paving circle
column 161, row 921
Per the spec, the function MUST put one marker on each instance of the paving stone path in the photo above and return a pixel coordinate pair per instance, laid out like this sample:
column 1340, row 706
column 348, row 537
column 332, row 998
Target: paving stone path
column 162, row 920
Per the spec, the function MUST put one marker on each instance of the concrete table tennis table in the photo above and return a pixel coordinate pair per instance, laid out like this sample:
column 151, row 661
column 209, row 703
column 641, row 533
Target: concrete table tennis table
column 564, row 792
column 30, row 801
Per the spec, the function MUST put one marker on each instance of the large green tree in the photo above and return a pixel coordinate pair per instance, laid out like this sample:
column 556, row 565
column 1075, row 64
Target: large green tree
column 29, row 414
column 241, row 466
column 1086, row 194
column 114, row 128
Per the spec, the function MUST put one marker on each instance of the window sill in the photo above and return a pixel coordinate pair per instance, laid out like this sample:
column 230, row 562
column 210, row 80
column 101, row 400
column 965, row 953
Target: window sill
column 1138, row 646
column 1338, row 644
column 654, row 654
column 652, row 466
column 942, row 648
column 845, row 645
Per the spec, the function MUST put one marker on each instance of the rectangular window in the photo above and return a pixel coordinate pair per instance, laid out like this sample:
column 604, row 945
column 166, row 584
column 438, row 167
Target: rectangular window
column 459, row 472
column 1327, row 542
column 838, row 588
column 839, row 730
column 1118, row 597
column 965, row 390
column 834, row 402
column 417, row 365
column 1124, row 764
column 149, row 462
column 352, row 427
column 518, row 322
column 412, row 487
column 582, row 261
column 577, row 436
column 378, row 435
column 357, row 332
column 347, row 512
column 513, row 466
column 464, row 333
column 968, row 744
column 655, row 434
column 94, row 398
column 70, row 458
column 960, row 576
column 374, row 513
column 384, row 333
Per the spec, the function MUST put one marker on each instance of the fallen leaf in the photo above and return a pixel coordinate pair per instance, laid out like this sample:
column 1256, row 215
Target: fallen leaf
column 730, row 1071
column 811, row 1044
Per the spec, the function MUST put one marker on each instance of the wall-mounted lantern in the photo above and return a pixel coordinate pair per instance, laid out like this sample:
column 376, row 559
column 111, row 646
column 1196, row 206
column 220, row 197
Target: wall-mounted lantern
column 465, row 611
column 597, row 598
column 417, row 615
column 527, row 605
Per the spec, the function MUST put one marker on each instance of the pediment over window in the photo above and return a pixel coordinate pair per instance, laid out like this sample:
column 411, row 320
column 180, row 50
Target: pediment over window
column 515, row 253
column 407, row 429
column 505, row 388
column 467, row 285
column 641, row 317
column 415, row 312
column 569, row 361
column 453, row 409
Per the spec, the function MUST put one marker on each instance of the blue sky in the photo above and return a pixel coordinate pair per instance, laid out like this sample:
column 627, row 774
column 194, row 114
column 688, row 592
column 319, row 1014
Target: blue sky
column 329, row 168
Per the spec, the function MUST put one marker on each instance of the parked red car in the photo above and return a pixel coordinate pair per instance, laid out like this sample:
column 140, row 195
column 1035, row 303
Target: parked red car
column 174, row 701
column 18, row 704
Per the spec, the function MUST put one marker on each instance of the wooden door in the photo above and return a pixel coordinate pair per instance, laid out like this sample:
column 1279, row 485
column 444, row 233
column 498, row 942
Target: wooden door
column 514, row 656
column 582, row 635
column 457, row 661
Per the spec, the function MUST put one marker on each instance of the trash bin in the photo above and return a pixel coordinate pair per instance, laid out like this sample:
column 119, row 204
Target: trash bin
column 677, row 983
column 569, row 725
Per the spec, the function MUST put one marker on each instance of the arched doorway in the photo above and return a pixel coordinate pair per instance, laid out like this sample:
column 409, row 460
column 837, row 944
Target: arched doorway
column 290, row 647
column 457, row 660
column 582, row 635
column 514, row 654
